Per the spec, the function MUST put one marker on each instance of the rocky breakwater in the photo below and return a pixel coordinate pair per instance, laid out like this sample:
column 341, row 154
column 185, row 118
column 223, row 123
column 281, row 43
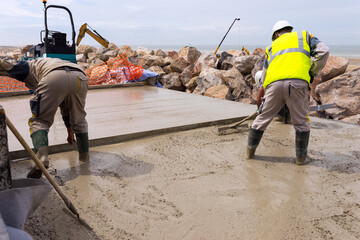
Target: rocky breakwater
column 232, row 78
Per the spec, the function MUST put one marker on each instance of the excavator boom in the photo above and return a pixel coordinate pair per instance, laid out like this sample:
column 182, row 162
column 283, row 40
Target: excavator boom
column 84, row 29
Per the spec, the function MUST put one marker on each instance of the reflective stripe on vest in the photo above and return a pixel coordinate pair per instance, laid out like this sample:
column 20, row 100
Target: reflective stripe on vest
column 288, row 58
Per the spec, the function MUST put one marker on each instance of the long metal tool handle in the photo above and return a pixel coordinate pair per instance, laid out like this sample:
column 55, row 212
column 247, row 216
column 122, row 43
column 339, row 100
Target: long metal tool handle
column 245, row 119
column 236, row 19
column 41, row 166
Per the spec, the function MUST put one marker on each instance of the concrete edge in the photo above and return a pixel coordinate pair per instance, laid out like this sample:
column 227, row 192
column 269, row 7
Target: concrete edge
column 91, row 87
column 22, row 154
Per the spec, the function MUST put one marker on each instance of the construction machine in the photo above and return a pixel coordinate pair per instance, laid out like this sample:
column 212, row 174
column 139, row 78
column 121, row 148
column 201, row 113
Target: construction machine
column 54, row 43
column 84, row 29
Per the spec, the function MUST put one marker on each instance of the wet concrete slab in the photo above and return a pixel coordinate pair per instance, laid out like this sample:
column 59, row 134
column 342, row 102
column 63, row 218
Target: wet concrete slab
column 120, row 114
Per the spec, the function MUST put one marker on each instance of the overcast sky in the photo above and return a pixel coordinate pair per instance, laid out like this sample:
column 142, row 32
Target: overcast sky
column 182, row 22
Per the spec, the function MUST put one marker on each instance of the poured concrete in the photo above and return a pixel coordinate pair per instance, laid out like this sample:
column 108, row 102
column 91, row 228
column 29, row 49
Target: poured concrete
column 119, row 114
column 196, row 184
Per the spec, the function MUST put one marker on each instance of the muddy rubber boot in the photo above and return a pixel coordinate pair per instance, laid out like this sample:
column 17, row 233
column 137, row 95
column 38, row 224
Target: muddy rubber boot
column 301, row 143
column 40, row 142
column 83, row 146
column 253, row 141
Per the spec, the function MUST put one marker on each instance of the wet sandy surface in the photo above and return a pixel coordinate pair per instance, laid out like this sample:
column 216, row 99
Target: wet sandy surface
column 198, row 185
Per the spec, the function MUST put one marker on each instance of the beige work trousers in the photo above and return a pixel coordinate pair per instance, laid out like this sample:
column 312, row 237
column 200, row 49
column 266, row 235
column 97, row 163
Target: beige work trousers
column 68, row 88
column 293, row 93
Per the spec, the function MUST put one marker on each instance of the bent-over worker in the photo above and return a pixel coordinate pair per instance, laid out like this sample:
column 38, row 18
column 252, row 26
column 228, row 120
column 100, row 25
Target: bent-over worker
column 55, row 83
column 288, row 72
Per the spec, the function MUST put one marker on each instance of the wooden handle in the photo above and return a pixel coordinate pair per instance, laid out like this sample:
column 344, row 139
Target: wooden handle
column 41, row 166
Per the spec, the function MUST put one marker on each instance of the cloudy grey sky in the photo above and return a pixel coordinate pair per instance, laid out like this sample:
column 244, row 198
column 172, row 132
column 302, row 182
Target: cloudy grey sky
column 184, row 22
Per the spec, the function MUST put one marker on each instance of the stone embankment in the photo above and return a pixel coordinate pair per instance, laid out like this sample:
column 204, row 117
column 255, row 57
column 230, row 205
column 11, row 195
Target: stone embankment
column 232, row 78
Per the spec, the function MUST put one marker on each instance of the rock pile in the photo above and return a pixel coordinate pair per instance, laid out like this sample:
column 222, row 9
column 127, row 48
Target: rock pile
column 231, row 77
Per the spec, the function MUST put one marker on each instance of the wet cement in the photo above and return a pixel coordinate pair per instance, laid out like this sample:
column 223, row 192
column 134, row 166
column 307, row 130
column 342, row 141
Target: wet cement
column 196, row 184
column 120, row 114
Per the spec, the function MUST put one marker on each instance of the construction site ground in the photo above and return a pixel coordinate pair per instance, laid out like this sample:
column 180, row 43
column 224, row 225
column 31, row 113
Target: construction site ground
column 189, row 182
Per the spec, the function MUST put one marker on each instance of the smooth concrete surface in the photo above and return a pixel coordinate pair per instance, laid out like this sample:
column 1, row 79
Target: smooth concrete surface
column 120, row 114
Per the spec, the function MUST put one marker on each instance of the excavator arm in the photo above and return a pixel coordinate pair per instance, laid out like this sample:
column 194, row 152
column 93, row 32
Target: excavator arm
column 84, row 29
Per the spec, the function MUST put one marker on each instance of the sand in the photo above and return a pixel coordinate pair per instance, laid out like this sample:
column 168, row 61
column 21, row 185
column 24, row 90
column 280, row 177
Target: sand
column 198, row 185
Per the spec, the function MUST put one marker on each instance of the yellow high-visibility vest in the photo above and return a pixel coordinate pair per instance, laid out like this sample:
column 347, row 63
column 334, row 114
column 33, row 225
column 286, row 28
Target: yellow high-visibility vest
column 288, row 58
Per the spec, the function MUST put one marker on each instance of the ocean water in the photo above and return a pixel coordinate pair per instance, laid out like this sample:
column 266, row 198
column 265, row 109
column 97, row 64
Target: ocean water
column 347, row 51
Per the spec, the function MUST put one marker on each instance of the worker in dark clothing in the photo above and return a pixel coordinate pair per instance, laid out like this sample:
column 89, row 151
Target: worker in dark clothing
column 56, row 83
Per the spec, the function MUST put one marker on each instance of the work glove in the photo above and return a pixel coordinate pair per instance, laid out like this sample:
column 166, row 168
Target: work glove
column 261, row 94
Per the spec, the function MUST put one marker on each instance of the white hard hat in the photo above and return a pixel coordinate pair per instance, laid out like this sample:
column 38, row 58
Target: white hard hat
column 258, row 75
column 280, row 25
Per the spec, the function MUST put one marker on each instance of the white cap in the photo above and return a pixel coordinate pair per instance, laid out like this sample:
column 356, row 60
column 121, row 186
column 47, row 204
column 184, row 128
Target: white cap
column 258, row 75
column 280, row 25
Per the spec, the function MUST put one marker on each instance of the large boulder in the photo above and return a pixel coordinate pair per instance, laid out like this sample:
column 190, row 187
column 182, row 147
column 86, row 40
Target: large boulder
column 335, row 66
column 220, row 91
column 158, row 70
column 190, row 54
column 141, row 51
column 191, row 85
column 147, row 61
column 111, row 53
column 239, row 89
column 344, row 91
column 173, row 55
column 25, row 49
column 85, row 49
column 232, row 78
column 127, row 50
column 245, row 63
column 172, row 81
column 101, row 50
column 209, row 77
column 160, row 53
column 178, row 65
column 353, row 119
column 236, row 53
column 81, row 57
column 258, row 52
column 204, row 61
column 112, row 47
column 186, row 75
column 226, row 61
column 242, row 93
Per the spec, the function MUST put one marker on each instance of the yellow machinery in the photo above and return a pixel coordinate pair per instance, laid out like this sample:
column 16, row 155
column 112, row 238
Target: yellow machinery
column 84, row 29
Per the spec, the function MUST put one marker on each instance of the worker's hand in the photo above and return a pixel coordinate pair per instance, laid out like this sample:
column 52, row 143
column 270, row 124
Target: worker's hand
column 70, row 139
column 260, row 96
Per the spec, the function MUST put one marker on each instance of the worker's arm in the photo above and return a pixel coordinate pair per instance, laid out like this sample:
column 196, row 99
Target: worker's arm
column 66, row 118
column 261, row 92
column 320, row 53
column 19, row 71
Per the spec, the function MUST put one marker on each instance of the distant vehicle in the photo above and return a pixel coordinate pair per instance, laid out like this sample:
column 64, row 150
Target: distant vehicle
column 54, row 43
column 84, row 29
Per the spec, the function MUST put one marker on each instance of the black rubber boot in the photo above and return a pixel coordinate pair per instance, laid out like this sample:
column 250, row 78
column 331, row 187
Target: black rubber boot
column 253, row 141
column 41, row 147
column 83, row 146
column 301, row 143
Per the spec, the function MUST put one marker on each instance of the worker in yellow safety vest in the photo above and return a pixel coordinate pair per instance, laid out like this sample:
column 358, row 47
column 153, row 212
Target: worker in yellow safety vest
column 291, row 63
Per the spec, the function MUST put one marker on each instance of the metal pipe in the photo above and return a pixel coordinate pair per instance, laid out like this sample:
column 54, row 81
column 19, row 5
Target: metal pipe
column 236, row 19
